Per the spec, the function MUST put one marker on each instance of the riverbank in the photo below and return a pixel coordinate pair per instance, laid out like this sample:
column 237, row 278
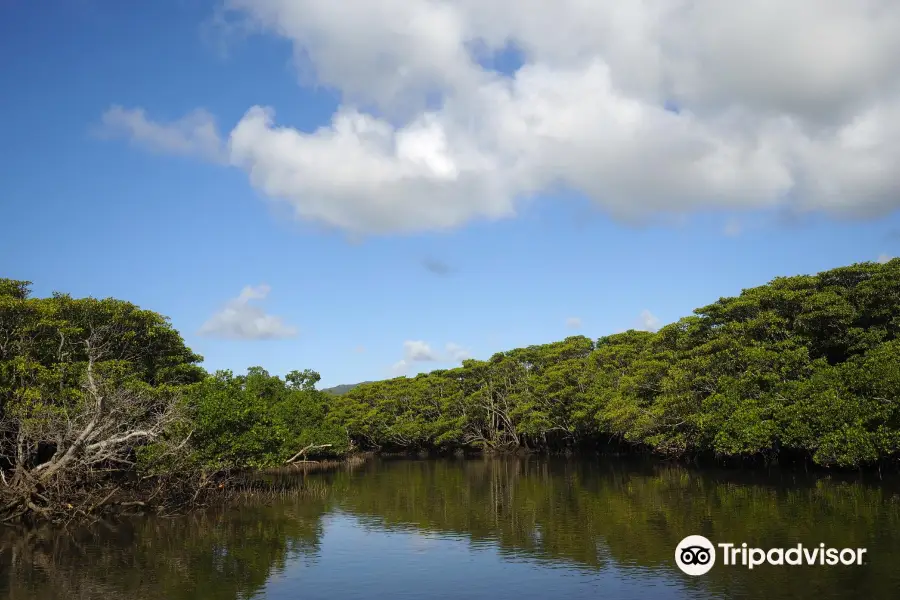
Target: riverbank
column 786, row 461
column 180, row 495
column 176, row 497
column 270, row 484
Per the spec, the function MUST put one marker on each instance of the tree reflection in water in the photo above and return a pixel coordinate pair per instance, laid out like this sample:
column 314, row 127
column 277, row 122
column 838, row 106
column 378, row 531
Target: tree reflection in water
column 576, row 514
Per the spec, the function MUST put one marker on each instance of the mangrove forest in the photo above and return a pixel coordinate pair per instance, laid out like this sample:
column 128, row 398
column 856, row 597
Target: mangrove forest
column 103, row 406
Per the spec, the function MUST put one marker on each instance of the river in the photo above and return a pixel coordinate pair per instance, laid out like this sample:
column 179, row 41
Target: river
column 480, row 529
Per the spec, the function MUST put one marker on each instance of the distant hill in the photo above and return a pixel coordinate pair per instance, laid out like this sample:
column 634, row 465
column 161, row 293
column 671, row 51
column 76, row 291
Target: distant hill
column 343, row 388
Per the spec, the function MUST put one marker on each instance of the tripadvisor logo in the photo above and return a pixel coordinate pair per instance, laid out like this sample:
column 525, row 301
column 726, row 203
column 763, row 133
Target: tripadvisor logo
column 696, row 555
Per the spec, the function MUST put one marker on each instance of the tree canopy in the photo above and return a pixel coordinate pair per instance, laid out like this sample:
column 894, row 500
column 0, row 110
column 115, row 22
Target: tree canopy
column 806, row 366
column 97, row 394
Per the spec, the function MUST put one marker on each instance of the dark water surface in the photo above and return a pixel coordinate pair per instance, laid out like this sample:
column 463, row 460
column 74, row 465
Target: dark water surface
column 480, row 529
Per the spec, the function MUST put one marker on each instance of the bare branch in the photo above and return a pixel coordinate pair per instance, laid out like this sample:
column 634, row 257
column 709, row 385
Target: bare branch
column 90, row 438
column 304, row 451
column 58, row 463
column 134, row 435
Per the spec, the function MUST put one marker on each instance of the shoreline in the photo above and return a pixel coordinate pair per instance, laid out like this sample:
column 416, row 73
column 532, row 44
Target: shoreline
column 785, row 463
column 261, row 485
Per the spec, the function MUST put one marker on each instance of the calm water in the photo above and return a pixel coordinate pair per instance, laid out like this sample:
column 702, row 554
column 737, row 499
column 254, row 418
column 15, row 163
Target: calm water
column 480, row 529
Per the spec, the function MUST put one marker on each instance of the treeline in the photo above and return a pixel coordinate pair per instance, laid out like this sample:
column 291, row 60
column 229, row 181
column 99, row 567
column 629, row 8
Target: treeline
column 806, row 367
column 102, row 405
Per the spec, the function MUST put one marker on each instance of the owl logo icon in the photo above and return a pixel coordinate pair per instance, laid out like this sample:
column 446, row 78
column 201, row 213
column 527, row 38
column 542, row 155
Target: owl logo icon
column 695, row 555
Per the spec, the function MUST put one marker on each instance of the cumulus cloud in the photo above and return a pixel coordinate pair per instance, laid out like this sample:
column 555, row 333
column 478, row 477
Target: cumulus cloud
column 648, row 321
column 456, row 353
column 647, row 108
column 884, row 258
column 417, row 351
column 437, row 267
column 573, row 323
column 241, row 320
column 194, row 135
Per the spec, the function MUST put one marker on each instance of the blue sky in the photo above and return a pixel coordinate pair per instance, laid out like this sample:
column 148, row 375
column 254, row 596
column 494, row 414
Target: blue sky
column 101, row 208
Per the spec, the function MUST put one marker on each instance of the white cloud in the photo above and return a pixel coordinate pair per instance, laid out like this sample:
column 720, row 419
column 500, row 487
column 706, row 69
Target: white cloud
column 417, row 351
column 194, row 135
column 648, row 321
column 573, row 323
column 791, row 103
column 456, row 353
column 241, row 320
column 884, row 258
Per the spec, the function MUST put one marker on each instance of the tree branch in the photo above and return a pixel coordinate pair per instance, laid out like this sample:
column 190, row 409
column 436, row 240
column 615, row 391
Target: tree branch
column 304, row 451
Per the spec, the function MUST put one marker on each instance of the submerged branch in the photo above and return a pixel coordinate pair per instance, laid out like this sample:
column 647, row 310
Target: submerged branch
column 304, row 451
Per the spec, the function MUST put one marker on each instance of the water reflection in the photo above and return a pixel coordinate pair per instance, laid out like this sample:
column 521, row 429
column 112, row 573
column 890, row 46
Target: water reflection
column 213, row 555
column 486, row 528
column 631, row 517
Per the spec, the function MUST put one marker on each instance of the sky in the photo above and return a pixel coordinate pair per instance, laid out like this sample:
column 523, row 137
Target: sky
column 385, row 187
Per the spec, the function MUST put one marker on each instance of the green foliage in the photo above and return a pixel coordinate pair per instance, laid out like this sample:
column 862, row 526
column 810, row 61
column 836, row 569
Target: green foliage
column 260, row 420
column 16, row 289
column 805, row 365
column 44, row 353
column 252, row 420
